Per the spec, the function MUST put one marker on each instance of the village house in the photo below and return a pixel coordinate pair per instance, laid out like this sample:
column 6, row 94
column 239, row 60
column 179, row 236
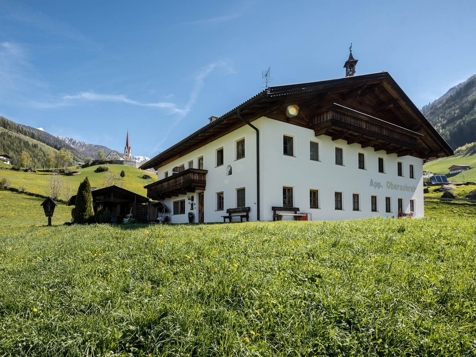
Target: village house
column 455, row 169
column 5, row 159
column 345, row 148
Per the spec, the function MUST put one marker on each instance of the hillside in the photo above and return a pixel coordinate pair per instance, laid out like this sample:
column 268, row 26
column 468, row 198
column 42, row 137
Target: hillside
column 88, row 150
column 39, row 136
column 454, row 114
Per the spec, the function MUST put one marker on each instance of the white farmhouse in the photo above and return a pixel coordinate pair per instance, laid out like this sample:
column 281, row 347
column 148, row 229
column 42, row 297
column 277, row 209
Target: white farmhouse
column 346, row 148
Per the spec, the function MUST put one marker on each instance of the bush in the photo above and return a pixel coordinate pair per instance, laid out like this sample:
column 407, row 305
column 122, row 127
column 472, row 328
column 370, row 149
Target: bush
column 101, row 169
column 103, row 215
column 4, row 183
column 84, row 212
column 123, row 174
column 146, row 177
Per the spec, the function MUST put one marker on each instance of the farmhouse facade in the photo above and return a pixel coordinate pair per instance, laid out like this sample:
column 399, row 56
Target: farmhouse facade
column 338, row 149
column 454, row 169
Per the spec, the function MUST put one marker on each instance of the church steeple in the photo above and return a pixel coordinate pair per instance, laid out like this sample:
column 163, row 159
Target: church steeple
column 350, row 64
column 127, row 149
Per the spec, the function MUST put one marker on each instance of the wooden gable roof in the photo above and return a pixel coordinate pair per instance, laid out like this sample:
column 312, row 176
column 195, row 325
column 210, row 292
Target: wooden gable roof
column 373, row 100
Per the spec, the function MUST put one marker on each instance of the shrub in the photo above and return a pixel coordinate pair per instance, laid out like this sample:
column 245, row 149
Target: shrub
column 84, row 212
column 4, row 183
column 146, row 177
column 101, row 169
column 123, row 174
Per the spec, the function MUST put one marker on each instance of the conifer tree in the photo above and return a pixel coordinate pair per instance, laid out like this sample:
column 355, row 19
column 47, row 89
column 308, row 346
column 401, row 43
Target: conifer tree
column 84, row 212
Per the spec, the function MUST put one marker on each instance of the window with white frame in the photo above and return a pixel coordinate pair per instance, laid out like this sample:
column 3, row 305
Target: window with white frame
column 339, row 152
column 373, row 203
column 381, row 168
column 220, row 201
column 288, row 145
column 399, row 168
column 190, row 164
column 314, row 199
column 240, row 149
column 355, row 202
column 240, row 197
column 220, row 157
column 179, row 207
column 200, row 162
column 412, row 173
column 314, row 151
column 338, row 200
column 388, row 205
column 287, row 197
column 361, row 160
column 412, row 205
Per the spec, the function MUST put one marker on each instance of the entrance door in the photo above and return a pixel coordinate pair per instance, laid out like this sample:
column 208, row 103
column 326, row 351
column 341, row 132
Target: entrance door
column 201, row 213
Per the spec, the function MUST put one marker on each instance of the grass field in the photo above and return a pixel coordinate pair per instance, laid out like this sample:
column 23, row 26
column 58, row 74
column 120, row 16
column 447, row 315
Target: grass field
column 352, row 288
column 38, row 182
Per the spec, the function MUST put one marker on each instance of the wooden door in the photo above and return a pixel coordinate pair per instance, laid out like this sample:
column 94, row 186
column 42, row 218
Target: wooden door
column 201, row 213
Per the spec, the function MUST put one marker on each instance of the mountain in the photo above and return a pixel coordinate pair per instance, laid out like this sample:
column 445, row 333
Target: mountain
column 454, row 114
column 88, row 150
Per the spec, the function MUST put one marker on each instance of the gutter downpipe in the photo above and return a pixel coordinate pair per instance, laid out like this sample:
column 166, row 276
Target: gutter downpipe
column 258, row 205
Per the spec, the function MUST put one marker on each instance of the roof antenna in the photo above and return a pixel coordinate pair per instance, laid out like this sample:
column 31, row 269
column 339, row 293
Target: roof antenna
column 266, row 75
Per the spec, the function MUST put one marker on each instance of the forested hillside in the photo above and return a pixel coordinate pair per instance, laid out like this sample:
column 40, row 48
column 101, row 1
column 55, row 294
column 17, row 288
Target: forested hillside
column 15, row 145
column 38, row 135
column 454, row 114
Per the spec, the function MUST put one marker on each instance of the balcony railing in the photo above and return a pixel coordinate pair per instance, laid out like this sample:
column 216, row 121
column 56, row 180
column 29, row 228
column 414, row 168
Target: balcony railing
column 183, row 182
column 359, row 125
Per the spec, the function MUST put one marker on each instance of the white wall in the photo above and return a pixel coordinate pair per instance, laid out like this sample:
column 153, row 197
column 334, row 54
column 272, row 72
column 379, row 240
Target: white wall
column 301, row 173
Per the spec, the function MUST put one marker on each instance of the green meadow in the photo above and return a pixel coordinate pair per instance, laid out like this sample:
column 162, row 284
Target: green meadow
column 374, row 287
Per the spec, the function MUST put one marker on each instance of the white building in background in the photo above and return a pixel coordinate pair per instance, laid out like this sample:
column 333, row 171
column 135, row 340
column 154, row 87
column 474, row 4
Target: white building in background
column 347, row 148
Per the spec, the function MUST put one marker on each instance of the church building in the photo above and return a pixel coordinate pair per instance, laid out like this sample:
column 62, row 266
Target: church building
column 344, row 148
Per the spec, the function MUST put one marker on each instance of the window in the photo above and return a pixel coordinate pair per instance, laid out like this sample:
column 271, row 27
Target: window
column 355, row 202
column 388, row 207
column 400, row 206
column 314, row 151
column 338, row 200
column 240, row 149
column 412, row 175
column 166, row 174
column 190, row 164
column 179, row 207
column 380, row 165
column 288, row 145
column 200, row 162
column 412, row 205
column 314, row 198
column 287, row 197
column 240, row 197
column 399, row 169
column 373, row 203
column 220, row 157
column 220, row 201
column 361, row 161
column 339, row 156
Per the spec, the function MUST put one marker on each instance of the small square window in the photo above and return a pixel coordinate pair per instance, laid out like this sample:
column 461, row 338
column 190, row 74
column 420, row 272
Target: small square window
column 314, row 198
column 240, row 197
column 314, row 151
column 355, row 202
column 338, row 200
column 220, row 201
column 388, row 206
column 339, row 156
column 373, row 203
column 380, row 165
column 240, row 149
column 220, row 157
column 361, row 161
column 287, row 197
column 288, row 143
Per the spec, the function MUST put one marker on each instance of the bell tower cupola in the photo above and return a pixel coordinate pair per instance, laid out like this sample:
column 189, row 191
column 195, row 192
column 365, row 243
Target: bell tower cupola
column 350, row 64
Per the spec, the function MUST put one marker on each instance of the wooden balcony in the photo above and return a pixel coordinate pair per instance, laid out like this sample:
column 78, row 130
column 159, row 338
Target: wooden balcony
column 178, row 184
column 343, row 123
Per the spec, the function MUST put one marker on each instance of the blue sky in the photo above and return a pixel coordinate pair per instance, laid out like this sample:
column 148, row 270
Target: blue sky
column 92, row 70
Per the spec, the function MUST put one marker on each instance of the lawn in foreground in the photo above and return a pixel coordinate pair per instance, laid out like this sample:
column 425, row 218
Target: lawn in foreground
column 369, row 287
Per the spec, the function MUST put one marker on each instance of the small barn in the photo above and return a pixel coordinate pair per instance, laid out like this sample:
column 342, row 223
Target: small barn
column 454, row 169
column 121, row 203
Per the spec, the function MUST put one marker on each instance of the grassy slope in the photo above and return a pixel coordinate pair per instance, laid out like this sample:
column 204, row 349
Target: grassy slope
column 441, row 166
column 39, row 182
column 364, row 287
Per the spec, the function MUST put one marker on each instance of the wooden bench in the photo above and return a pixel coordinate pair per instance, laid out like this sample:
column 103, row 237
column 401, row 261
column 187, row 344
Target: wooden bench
column 287, row 211
column 242, row 212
